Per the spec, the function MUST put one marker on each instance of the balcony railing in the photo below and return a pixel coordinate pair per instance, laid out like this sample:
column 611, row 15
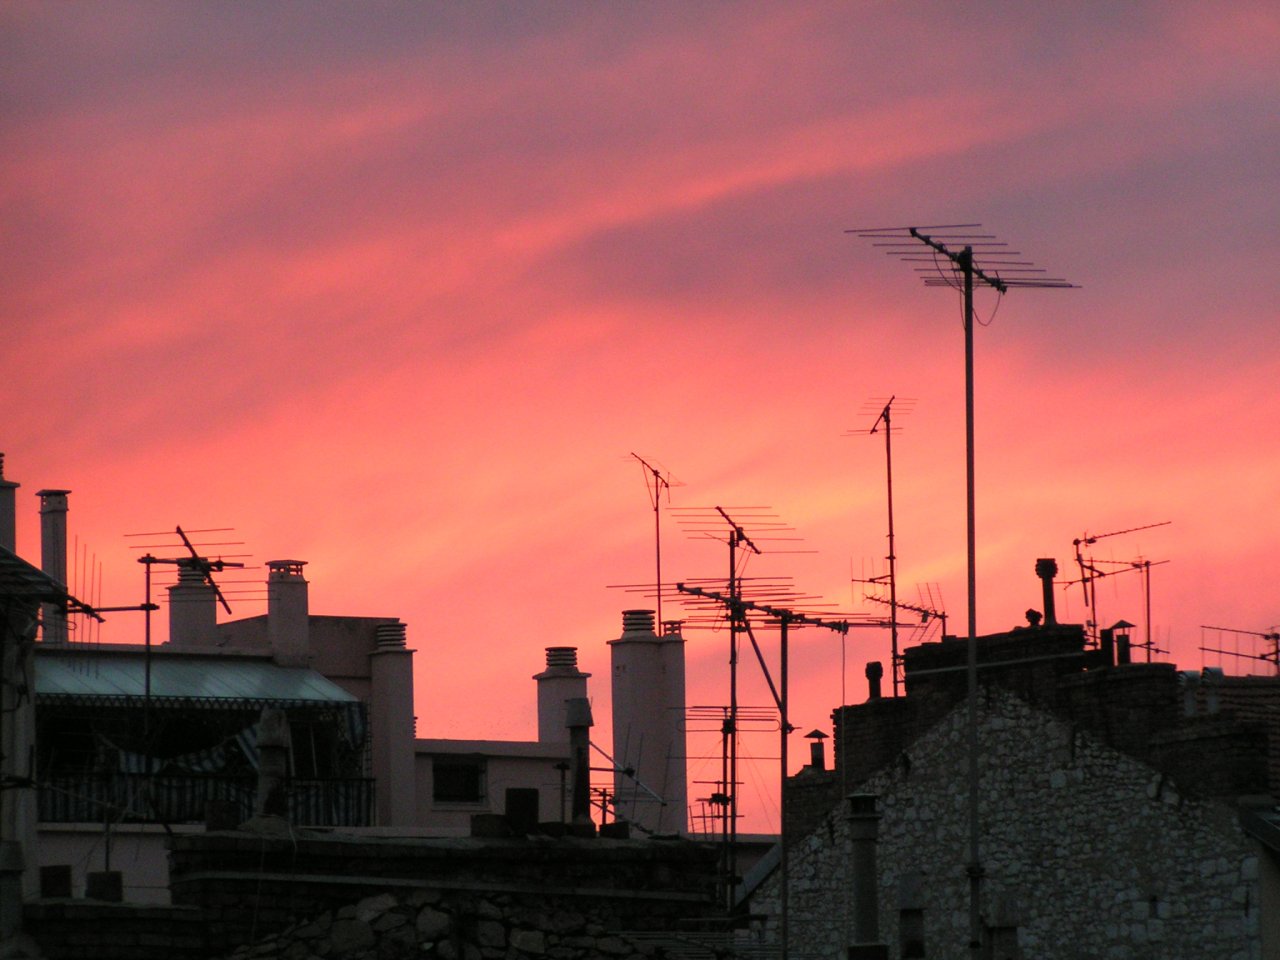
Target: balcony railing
column 137, row 798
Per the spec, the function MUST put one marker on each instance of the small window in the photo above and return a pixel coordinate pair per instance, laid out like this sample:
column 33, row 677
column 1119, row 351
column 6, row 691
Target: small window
column 456, row 780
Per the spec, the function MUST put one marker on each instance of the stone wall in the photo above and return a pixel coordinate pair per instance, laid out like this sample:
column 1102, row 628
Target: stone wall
column 455, row 926
column 1091, row 852
column 251, row 886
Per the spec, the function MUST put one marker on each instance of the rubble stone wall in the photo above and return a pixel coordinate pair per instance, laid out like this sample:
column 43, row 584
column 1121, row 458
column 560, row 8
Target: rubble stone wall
column 453, row 897
column 1090, row 852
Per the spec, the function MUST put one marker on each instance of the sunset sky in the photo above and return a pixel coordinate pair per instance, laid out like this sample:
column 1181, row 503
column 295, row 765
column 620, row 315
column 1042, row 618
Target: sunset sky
column 396, row 290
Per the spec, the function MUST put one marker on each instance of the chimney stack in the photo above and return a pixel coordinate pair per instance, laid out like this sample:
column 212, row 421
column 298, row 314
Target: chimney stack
column 875, row 671
column 649, row 724
column 863, row 836
column 560, row 682
column 288, row 615
column 1120, row 629
column 53, row 558
column 193, row 610
column 817, row 749
column 391, row 724
column 1046, row 570
column 8, row 511
column 579, row 722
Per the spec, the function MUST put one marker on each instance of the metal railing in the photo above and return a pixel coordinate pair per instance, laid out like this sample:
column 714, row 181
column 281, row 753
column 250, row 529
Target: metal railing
column 137, row 798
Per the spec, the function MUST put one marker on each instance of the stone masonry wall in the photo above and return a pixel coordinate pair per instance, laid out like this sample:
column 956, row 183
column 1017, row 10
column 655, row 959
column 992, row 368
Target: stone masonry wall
column 1093, row 853
column 250, row 887
column 454, row 926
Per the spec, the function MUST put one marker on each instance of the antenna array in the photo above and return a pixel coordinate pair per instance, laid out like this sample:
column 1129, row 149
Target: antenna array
column 954, row 255
column 1271, row 636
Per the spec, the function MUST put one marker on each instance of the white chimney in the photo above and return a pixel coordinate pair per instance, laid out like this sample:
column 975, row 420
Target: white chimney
column 649, row 724
column 8, row 511
column 560, row 682
column 288, row 615
column 193, row 610
column 53, row 558
column 391, row 726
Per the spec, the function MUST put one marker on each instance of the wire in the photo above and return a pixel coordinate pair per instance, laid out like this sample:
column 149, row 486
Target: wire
column 994, row 310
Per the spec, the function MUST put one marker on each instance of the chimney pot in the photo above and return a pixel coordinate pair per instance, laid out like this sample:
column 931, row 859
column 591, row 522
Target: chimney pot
column 390, row 635
column 637, row 621
column 562, row 657
column 875, row 671
column 1046, row 570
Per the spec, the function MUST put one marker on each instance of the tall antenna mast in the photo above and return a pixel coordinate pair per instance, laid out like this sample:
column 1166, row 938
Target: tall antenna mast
column 886, row 417
column 655, row 482
column 737, row 607
column 712, row 526
column 958, row 269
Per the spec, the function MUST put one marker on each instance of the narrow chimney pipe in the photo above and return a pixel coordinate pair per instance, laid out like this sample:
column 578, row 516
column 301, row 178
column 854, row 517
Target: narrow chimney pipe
column 817, row 749
column 875, row 672
column 578, row 720
column 863, row 835
column 53, row 558
column 1046, row 570
column 1107, row 640
column 8, row 511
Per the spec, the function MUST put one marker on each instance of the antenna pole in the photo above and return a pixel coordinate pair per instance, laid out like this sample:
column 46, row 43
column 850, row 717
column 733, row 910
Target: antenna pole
column 146, row 669
column 731, row 725
column 886, row 416
column 783, row 839
column 965, row 262
column 659, row 481
column 1000, row 271
column 1146, row 588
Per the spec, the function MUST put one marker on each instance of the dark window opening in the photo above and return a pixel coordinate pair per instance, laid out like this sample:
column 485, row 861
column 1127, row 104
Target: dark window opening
column 457, row 781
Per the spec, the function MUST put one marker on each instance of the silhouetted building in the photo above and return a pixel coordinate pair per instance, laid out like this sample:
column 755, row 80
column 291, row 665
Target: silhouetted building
column 1126, row 809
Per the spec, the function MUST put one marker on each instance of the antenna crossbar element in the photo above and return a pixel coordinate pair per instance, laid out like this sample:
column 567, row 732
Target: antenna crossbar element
column 1271, row 636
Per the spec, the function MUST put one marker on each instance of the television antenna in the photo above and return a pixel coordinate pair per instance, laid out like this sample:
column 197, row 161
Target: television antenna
column 884, row 418
column 1271, row 636
column 1090, row 574
column 953, row 255
column 1142, row 566
column 927, row 613
column 657, row 480
column 205, row 568
column 718, row 524
column 785, row 618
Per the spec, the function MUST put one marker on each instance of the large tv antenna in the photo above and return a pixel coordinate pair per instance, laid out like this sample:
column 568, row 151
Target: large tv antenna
column 204, row 568
column 927, row 613
column 731, row 529
column 657, row 480
column 955, row 256
column 883, row 423
column 1271, row 636
column 785, row 618
column 1090, row 574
